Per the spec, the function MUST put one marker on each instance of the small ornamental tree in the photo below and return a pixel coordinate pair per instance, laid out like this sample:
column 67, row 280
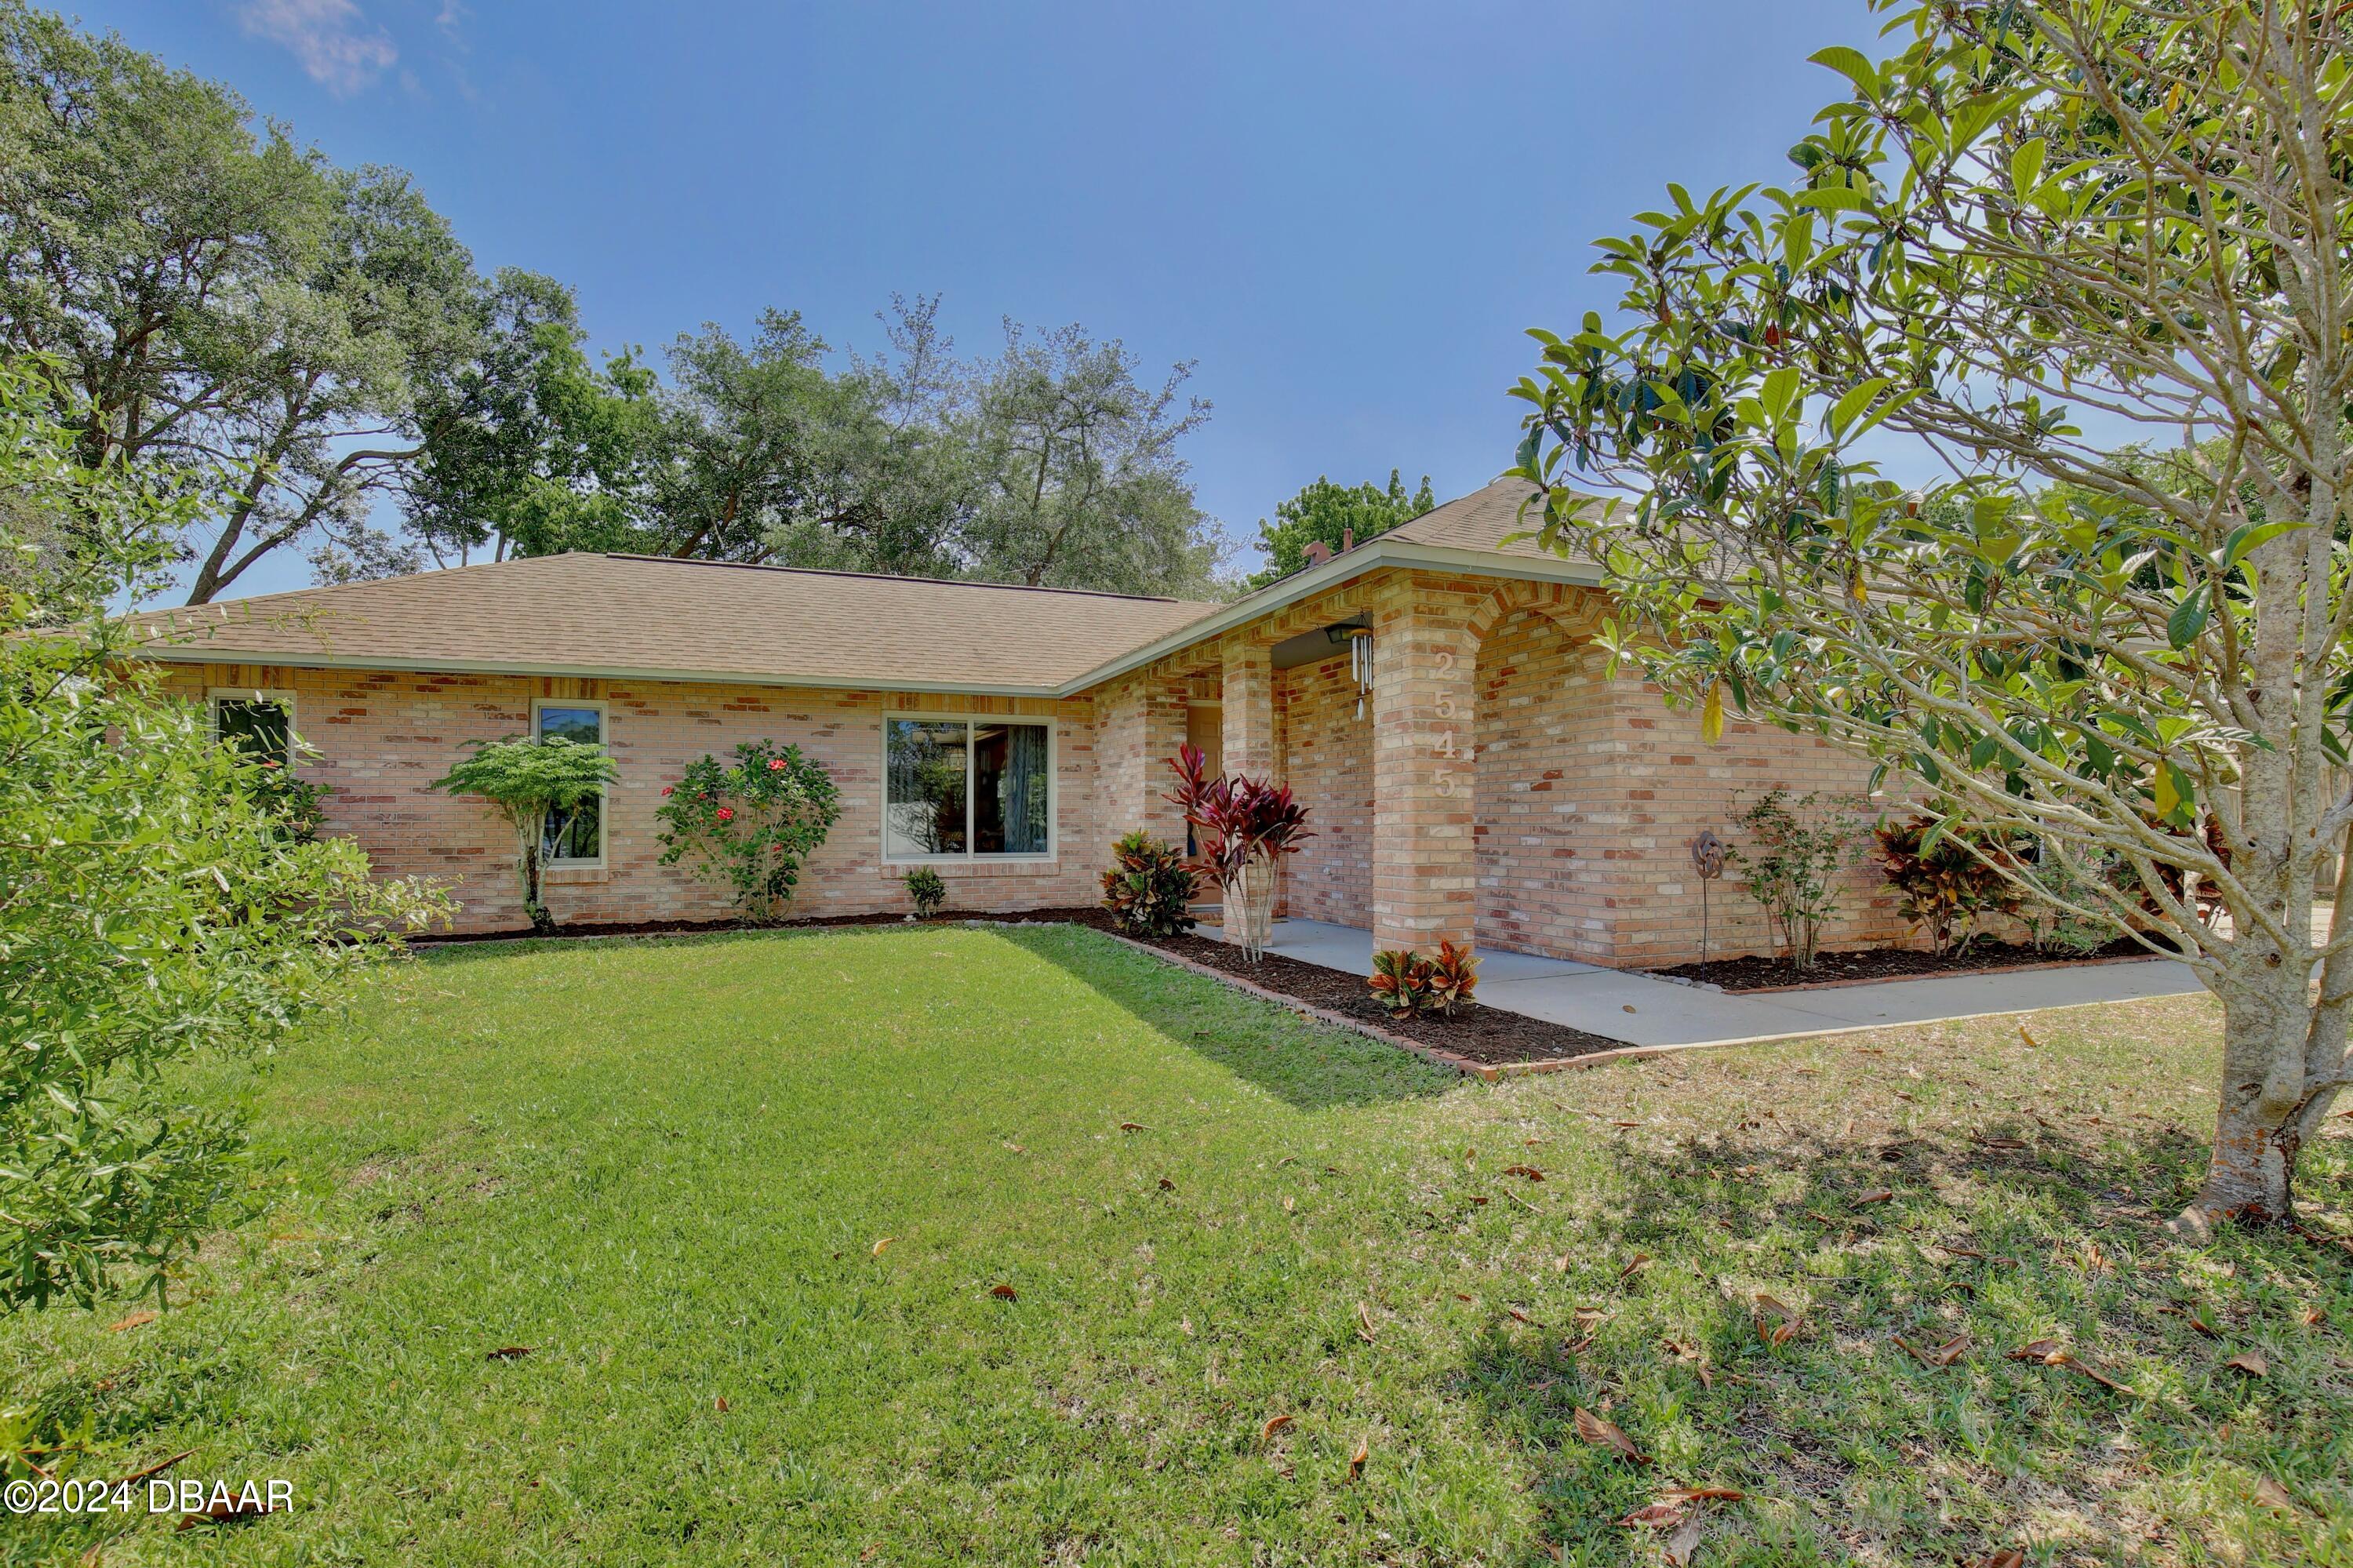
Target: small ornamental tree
column 525, row 779
column 1242, row 829
column 2031, row 227
column 750, row 825
column 1790, row 865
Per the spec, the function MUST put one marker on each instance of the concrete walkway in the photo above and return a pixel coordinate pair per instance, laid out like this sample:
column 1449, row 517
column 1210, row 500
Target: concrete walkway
column 1642, row 1010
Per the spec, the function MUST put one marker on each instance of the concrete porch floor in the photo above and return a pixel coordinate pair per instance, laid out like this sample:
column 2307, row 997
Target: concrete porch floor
column 1642, row 1011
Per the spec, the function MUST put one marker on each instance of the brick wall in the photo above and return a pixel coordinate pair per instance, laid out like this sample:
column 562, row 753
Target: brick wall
column 1326, row 755
column 384, row 737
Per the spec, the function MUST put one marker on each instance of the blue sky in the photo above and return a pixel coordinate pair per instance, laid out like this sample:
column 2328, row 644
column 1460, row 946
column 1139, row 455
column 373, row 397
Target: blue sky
column 1345, row 215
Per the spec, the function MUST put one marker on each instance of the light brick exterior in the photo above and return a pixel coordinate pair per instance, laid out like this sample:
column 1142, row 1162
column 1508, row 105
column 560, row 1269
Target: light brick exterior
column 1502, row 789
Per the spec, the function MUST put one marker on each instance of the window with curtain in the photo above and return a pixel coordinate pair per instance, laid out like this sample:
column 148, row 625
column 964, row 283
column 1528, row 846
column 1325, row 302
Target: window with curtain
column 578, row 832
column 966, row 789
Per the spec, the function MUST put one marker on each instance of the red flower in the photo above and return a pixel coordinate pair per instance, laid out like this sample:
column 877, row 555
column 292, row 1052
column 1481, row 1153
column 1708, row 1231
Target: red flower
column 666, row 789
column 727, row 813
column 776, row 764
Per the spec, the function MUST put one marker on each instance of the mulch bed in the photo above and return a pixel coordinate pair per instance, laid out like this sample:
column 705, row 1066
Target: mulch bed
column 1486, row 1034
column 1754, row 973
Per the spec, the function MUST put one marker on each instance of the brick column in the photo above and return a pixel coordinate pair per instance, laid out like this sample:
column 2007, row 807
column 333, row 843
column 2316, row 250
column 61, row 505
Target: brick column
column 1425, row 857
column 1248, row 697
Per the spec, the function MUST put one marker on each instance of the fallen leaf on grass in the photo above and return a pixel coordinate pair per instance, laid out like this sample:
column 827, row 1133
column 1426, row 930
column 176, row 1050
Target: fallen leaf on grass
column 1655, row 1516
column 1877, row 1195
column 1606, row 1433
column 1625, row 1124
column 2036, row 1351
column 1951, row 1351
column 1702, row 1494
column 1641, row 1261
column 1364, row 1329
column 2315, row 1318
column 2270, row 1494
column 1274, row 1424
column 1776, row 1321
column 1005, row 1293
column 508, row 1353
column 2008, row 1557
column 2028, row 1035
column 2252, row 1362
column 1166, row 1185
column 719, row 1403
column 1357, row 1460
column 1530, row 1171
column 133, row 1321
column 1519, row 1316
column 1134, row 1127
column 2076, row 1364
column 886, row 1241
column 1683, row 1543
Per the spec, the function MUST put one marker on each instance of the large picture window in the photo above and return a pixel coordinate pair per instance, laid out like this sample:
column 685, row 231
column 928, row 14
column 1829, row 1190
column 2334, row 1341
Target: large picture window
column 968, row 788
column 573, row 836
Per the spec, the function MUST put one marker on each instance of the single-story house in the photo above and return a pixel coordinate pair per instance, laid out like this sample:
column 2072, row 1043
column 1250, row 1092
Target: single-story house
column 1475, row 773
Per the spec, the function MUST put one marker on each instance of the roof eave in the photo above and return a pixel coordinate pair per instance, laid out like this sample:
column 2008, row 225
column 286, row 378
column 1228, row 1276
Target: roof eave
column 1370, row 556
column 186, row 654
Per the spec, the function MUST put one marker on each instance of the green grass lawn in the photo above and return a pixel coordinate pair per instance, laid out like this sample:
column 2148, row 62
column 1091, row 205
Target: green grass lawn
column 671, row 1168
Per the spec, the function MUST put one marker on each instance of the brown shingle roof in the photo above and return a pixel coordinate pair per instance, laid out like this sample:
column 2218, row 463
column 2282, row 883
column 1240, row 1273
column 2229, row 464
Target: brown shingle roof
column 1480, row 521
column 641, row 615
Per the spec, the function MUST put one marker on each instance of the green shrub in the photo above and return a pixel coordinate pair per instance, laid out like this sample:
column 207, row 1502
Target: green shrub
column 1149, row 888
column 1946, row 883
column 1791, row 867
column 1453, row 976
column 926, row 888
column 1400, row 981
column 750, row 825
column 154, row 905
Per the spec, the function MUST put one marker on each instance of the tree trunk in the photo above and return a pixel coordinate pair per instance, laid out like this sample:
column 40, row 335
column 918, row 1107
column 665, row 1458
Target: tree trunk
column 2267, row 1017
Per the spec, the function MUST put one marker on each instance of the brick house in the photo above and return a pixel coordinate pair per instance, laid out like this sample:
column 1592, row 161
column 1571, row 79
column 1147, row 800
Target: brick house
column 1476, row 774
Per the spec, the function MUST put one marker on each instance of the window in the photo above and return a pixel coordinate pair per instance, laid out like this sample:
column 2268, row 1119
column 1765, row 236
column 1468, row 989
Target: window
column 260, row 724
column 572, row 835
column 968, row 788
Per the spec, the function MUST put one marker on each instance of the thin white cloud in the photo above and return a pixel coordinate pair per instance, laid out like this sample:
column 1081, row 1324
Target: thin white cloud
column 337, row 47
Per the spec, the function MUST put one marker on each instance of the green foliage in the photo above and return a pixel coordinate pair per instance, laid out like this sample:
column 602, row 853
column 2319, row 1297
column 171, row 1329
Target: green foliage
column 1453, row 976
column 160, row 900
column 1400, row 981
column 1149, row 888
column 1947, row 878
column 750, row 824
column 524, row 780
column 927, row 889
column 1791, row 867
column 2030, row 223
column 1329, row 513
column 298, row 805
column 207, row 289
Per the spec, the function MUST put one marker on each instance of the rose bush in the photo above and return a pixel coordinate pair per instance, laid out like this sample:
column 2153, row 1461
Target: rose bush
column 750, row 825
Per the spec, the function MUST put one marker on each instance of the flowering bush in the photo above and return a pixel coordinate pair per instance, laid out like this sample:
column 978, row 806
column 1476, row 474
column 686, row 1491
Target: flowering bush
column 1149, row 888
column 750, row 825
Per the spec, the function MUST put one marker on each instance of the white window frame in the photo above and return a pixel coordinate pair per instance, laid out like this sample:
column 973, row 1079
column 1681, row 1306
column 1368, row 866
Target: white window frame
column 971, row 856
column 605, row 796
column 217, row 696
